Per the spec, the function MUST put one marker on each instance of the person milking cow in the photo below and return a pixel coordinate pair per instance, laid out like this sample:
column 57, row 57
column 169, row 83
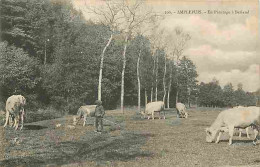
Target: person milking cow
column 99, row 114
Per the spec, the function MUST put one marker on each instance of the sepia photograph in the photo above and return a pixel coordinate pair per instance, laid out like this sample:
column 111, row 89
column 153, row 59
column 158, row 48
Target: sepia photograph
column 129, row 83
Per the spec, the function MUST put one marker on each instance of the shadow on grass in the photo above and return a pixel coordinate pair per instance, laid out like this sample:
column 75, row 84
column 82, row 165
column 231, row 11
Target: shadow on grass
column 95, row 148
column 34, row 127
column 238, row 142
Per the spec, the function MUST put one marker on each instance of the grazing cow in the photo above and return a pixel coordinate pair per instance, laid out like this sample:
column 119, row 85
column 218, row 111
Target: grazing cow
column 181, row 110
column 229, row 119
column 225, row 129
column 15, row 109
column 84, row 112
column 152, row 107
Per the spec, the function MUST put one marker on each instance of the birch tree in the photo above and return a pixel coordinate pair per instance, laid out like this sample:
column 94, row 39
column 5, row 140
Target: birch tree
column 154, row 37
column 138, row 77
column 180, row 42
column 109, row 15
column 134, row 15
column 156, row 44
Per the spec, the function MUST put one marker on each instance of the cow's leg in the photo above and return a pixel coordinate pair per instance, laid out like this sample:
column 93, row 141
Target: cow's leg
column 219, row 135
column 11, row 122
column 178, row 113
column 84, row 121
column 6, row 118
column 163, row 114
column 76, row 119
column 247, row 134
column 231, row 132
column 16, row 121
column 22, row 119
column 159, row 114
column 240, row 132
column 153, row 115
column 256, row 133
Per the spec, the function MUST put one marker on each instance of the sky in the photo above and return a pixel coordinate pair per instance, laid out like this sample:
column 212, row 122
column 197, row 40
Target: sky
column 223, row 45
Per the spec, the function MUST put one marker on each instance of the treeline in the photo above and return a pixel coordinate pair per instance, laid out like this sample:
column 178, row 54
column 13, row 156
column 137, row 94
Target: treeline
column 212, row 95
column 50, row 54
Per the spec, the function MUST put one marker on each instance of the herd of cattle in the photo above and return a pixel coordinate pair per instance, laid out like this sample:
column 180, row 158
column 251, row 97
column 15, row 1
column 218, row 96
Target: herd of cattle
column 227, row 120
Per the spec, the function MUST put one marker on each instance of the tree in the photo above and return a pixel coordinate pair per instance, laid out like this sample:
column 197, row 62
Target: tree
column 187, row 75
column 180, row 43
column 228, row 95
column 244, row 98
column 155, row 40
column 210, row 94
column 19, row 73
column 109, row 15
column 134, row 16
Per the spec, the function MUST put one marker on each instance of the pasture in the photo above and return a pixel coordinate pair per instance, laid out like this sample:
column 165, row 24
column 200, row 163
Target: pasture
column 138, row 142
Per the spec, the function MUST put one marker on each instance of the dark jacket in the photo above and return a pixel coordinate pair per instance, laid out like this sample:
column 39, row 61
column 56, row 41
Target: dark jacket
column 99, row 111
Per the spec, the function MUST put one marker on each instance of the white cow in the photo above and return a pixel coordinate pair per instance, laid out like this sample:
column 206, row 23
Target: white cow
column 15, row 108
column 229, row 119
column 84, row 112
column 152, row 107
column 181, row 110
column 225, row 129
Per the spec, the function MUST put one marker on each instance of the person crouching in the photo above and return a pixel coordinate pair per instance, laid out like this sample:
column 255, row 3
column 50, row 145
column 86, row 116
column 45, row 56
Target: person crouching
column 99, row 114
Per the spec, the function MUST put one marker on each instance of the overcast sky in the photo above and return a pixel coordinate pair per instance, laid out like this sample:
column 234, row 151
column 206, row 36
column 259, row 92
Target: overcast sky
column 224, row 46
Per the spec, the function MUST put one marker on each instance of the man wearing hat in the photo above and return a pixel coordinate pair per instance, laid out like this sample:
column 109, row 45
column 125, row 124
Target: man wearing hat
column 99, row 113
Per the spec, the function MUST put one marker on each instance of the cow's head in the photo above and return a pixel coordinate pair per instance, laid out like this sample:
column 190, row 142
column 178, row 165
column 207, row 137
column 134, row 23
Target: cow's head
column 210, row 135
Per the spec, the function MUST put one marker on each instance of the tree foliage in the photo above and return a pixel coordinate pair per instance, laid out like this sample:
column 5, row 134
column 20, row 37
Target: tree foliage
column 212, row 95
column 51, row 55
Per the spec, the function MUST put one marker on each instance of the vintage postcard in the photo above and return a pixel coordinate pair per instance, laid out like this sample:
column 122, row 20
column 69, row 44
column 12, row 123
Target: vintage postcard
column 151, row 83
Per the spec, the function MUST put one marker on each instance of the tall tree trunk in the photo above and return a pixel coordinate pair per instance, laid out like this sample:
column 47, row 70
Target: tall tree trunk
column 164, row 76
column 145, row 94
column 177, row 82
column 123, row 75
column 101, row 66
column 138, row 79
column 156, row 78
column 177, row 94
column 196, row 102
column 153, row 75
column 45, row 52
column 169, row 89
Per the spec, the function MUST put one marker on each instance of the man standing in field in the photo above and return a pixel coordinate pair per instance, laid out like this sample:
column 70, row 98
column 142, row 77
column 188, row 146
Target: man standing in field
column 99, row 113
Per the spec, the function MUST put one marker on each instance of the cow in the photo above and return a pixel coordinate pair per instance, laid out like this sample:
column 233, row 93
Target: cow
column 152, row 107
column 225, row 129
column 229, row 119
column 181, row 110
column 15, row 110
column 84, row 112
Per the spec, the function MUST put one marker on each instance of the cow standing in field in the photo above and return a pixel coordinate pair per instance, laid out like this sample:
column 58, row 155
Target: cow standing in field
column 181, row 110
column 84, row 112
column 225, row 129
column 152, row 107
column 15, row 109
column 227, row 120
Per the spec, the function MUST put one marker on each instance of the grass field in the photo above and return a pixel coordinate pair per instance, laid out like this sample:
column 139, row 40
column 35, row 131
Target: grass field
column 138, row 142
